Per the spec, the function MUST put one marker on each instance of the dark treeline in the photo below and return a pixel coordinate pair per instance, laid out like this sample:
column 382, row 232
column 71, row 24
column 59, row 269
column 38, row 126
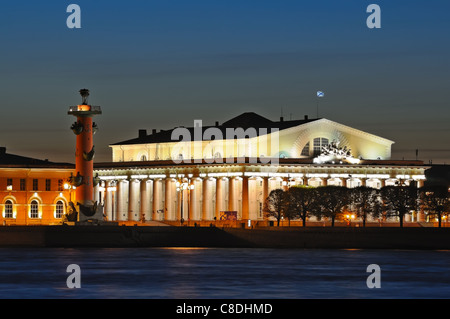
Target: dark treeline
column 334, row 202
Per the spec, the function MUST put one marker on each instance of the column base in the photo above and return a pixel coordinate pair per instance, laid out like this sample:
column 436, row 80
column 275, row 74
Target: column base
column 89, row 211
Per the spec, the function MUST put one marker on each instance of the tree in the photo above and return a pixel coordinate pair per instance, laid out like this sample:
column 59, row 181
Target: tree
column 365, row 201
column 275, row 204
column 399, row 200
column 332, row 201
column 436, row 200
column 289, row 208
column 301, row 201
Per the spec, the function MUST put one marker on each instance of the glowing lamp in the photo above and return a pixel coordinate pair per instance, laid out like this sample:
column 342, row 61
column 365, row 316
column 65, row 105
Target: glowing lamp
column 84, row 107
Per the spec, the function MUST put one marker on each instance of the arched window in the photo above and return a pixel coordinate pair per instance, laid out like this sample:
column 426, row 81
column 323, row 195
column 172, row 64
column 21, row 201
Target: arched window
column 59, row 209
column 319, row 142
column 34, row 209
column 143, row 158
column 305, row 150
column 9, row 209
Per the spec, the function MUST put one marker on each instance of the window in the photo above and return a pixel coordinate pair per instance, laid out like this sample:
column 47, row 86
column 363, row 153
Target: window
column 60, row 185
column 9, row 182
column 143, row 158
column 23, row 184
column 8, row 209
column 59, row 210
column 35, row 184
column 305, row 150
column 318, row 144
column 34, row 209
column 48, row 184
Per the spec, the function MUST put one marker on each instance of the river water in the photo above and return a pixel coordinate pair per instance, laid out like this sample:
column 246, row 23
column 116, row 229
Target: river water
column 158, row 273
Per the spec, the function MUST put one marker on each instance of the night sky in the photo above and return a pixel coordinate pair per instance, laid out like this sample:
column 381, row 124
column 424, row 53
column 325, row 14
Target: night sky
column 160, row 64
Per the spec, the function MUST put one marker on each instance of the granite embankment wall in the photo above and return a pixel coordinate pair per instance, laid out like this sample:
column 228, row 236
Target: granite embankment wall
column 310, row 237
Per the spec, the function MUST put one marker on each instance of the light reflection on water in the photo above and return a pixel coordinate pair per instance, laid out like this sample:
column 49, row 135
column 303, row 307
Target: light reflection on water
column 182, row 273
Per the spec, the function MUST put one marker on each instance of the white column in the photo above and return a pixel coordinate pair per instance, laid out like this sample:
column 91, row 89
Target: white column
column 146, row 199
column 238, row 199
column 182, row 199
column 122, row 200
column 108, row 200
column 209, row 194
column 265, row 188
column 219, row 197
column 96, row 193
column 171, row 200
column 158, row 204
column 133, row 200
column 205, row 199
column 194, row 200
column 245, row 198
column 231, row 194
column 253, row 198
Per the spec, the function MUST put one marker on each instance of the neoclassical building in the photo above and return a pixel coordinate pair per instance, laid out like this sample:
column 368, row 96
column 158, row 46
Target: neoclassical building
column 249, row 135
column 32, row 191
column 225, row 171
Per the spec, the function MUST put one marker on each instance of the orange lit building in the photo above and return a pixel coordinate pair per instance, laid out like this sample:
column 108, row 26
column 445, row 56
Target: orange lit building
column 32, row 191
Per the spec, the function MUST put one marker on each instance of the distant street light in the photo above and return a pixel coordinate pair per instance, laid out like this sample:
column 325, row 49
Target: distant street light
column 349, row 219
column 181, row 187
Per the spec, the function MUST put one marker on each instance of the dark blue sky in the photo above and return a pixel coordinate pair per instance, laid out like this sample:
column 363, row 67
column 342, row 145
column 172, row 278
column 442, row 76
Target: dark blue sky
column 159, row 64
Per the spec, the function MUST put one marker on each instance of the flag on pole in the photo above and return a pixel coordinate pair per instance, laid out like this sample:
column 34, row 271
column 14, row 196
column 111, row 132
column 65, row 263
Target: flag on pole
column 320, row 94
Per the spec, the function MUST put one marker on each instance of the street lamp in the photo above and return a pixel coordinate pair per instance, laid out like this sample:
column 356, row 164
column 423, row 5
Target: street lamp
column 69, row 187
column 181, row 187
column 349, row 218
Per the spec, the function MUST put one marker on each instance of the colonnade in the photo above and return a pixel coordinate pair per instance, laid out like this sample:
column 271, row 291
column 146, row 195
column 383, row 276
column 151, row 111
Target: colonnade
column 209, row 197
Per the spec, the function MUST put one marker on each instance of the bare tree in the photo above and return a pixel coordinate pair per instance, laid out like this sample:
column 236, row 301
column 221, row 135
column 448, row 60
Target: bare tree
column 332, row 200
column 399, row 200
column 275, row 204
column 436, row 200
column 365, row 201
column 301, row 201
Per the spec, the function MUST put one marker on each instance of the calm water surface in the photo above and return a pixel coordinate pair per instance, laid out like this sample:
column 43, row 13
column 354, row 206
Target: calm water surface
column 223, row 273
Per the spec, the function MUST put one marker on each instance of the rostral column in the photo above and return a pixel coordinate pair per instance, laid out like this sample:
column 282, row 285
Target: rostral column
column 84, row 129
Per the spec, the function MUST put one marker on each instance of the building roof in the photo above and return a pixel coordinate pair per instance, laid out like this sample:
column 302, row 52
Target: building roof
column 17, row 161
column 245, row 121
column 307, row 162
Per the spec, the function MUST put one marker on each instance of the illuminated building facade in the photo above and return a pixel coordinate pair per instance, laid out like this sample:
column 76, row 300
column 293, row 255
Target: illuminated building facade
column 225, row 173
column 32, row 191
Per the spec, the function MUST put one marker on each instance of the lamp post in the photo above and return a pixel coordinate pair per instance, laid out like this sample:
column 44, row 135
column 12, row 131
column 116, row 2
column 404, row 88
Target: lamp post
column 181, row 187
column 69, row 187
column 349, row 219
